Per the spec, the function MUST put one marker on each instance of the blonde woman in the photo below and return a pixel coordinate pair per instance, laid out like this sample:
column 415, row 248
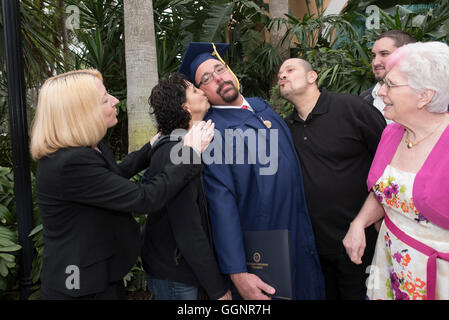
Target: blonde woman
column 86, row 201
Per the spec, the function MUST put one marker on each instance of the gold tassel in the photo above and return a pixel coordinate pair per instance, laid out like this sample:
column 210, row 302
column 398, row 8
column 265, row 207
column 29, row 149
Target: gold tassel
column 219, row 58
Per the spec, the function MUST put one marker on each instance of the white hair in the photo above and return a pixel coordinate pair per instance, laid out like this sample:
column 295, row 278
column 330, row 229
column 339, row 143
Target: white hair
column 426, row 66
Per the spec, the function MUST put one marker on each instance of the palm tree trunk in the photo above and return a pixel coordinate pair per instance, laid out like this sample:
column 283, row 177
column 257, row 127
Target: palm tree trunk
column 63, row 29
column 141, row 70
column 277, row 10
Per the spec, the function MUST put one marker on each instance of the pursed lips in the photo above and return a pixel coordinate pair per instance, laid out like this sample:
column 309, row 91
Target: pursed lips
column 282, row 82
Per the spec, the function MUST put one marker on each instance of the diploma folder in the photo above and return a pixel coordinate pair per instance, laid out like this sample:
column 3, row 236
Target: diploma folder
column 268, row 257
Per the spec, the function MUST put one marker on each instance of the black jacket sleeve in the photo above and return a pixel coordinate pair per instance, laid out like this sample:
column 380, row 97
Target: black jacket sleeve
column 135, row 161
column 367, row 95
column 132, row 163
column 87, row 179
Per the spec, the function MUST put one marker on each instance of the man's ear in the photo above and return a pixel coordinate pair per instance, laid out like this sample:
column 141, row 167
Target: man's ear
column 425, row 97
column 312, row 76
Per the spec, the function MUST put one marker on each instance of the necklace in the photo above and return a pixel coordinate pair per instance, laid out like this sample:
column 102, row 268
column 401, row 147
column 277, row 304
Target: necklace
column 410, row 144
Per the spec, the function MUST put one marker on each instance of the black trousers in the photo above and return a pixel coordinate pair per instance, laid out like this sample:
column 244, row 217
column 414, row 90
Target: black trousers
column 114, row 291
column 344, row 279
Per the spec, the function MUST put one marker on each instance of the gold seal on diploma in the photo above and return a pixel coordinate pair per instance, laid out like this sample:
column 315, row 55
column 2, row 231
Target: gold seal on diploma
column 256, row 257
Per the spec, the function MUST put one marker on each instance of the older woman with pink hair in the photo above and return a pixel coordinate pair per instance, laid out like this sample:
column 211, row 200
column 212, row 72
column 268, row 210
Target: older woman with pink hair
column 409, row 180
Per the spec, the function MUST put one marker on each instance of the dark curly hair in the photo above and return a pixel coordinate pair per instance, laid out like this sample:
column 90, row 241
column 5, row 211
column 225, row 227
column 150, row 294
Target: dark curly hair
column 166, row 100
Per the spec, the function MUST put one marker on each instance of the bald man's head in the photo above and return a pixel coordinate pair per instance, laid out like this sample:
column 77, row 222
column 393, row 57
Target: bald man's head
column 295, row 76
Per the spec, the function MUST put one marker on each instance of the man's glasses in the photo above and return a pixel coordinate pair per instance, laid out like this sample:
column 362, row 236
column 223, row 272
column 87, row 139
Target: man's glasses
column 208, row 76
column 389, row 85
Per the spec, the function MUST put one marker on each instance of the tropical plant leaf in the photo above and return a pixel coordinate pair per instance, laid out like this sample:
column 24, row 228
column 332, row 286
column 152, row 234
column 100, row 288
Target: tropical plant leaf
column 7, row 257
column 10, row 248
column 3, row 268
column 218, row 17
column 36, row 230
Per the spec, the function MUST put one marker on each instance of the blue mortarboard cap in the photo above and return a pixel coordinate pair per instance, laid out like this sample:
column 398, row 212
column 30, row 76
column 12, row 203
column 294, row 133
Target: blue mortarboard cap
column 196, row 54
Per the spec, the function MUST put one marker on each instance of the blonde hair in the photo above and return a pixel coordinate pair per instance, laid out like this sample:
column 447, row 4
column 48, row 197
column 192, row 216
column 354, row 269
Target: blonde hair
column 68, row 113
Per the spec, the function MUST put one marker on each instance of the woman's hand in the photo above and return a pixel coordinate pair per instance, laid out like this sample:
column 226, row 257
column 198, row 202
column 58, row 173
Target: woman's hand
column 355, row 242
column 155, row 137
column 200, row 136
column 227, row 296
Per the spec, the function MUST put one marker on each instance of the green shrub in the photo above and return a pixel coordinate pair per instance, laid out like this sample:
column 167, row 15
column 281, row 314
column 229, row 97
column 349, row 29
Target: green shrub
column 9, row 246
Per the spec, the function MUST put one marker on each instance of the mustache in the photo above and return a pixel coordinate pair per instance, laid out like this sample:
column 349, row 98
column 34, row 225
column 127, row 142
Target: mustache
column 223, row 84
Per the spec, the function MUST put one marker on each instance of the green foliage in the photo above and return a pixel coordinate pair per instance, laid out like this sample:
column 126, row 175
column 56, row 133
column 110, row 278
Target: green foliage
column 9, row 267
column 135, row 280
column 38, row 244
column 9, row 247
column 5, row 149
column 9, row 244
column 42, row 40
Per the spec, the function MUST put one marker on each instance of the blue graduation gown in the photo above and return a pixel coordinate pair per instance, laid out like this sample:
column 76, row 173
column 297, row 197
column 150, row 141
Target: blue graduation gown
column 240, row 198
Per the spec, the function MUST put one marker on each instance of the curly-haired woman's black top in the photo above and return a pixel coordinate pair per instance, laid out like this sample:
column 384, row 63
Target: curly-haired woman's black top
column 177, row 240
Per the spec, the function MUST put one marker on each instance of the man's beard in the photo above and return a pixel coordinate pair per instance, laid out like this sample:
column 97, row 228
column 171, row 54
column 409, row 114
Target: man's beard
column 379, row 77
column 286, row 93
column 228, row 98
column 283, row 94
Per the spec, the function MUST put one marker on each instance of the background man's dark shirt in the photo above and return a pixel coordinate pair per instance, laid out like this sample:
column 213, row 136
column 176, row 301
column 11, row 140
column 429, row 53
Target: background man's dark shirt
column 368, row 95
column 336, row 145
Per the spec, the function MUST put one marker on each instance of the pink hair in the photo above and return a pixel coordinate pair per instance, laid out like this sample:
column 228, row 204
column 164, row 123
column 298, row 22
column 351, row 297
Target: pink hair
column 425, row 65
column 394, row 58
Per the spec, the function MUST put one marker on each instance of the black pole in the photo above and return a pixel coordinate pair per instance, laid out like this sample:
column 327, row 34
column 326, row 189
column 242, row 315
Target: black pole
column 19, row 139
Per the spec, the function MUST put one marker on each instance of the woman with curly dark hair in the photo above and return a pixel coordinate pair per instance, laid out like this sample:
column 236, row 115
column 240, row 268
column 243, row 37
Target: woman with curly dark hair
column 177, row 252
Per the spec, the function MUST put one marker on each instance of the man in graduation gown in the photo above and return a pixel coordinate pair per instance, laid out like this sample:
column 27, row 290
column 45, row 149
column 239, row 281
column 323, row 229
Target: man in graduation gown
column 252, row 177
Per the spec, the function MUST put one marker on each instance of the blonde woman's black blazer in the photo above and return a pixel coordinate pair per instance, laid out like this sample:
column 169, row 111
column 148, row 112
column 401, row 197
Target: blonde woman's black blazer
column 86, row 204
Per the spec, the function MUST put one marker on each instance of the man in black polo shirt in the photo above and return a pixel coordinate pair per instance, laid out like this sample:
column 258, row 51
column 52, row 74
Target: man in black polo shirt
column 336, row 137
